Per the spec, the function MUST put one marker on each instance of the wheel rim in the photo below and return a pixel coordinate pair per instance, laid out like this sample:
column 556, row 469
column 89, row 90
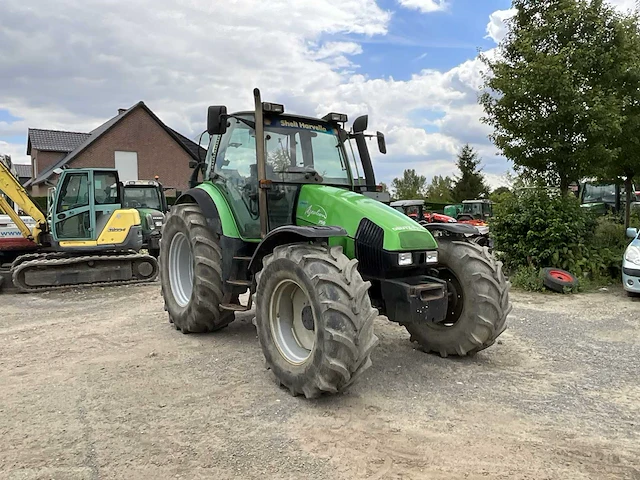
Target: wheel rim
column 562, row 276
column 292, row 322
column 181, row 269
column 455, row 299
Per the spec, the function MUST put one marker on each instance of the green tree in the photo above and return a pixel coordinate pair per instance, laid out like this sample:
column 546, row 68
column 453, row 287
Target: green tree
column 440, row 189
column 548, row 90
column 410, row 187
column 625, row 82
column 384, row 186
column 500, row 194
column 470, row 184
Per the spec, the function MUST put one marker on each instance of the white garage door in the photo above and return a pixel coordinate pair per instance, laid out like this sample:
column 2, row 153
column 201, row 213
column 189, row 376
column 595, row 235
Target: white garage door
column 127, row 165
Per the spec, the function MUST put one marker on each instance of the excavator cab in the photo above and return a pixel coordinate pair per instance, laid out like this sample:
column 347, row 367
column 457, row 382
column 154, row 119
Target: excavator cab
column 87, row 211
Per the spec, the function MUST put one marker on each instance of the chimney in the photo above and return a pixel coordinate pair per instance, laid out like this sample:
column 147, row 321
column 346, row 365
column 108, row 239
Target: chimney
column 121, row 111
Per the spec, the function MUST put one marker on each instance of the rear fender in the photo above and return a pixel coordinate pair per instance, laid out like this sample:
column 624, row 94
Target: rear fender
column 214, row 208
column 288, row 234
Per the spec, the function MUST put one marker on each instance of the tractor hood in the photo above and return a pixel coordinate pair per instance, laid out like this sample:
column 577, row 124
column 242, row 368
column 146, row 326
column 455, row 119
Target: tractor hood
column 324, row 205
column 151, row 218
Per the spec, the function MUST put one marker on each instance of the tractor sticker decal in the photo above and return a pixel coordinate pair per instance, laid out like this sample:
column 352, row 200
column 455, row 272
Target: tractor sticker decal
column 300, row 125
column 116, row 229
column 318, row 212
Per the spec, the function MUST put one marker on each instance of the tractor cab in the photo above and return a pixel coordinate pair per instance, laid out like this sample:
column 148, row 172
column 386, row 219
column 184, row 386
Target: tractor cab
column 411, row 208
column 148, row 198
column 476, row 209
column 298, row 151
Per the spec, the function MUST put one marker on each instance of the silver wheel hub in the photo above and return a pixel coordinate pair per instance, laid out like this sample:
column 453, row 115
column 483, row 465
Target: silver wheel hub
column 181, row 269
column 292, row 322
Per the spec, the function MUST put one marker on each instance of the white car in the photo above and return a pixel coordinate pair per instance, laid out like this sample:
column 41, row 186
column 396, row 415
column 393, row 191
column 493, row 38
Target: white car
column 631, row 263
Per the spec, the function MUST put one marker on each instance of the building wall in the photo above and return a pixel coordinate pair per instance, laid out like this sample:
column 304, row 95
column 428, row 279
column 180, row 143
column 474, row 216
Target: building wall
column 40, row 161
column 158, row 153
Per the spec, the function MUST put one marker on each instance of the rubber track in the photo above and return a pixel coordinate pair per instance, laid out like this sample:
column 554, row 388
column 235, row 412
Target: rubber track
column 71, row 260
column 53, row 255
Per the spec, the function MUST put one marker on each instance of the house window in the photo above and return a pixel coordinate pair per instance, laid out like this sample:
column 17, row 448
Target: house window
column 127, row 165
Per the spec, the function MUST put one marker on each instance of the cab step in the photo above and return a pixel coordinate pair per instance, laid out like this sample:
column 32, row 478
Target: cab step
column 233, row 307
column 240, row 283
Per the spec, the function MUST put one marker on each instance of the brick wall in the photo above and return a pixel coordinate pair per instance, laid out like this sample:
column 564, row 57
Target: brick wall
column 43, row 160
column 158, row 153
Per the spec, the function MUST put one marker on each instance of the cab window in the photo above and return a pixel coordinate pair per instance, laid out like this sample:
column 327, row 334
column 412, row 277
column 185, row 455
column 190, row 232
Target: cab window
column 74, row 192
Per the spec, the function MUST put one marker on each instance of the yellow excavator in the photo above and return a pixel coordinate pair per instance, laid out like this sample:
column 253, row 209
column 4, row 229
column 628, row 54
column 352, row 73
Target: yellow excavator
column 85, row 238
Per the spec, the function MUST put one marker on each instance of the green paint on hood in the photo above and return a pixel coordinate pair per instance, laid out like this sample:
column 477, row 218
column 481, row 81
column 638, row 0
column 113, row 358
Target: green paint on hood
column 324, row 205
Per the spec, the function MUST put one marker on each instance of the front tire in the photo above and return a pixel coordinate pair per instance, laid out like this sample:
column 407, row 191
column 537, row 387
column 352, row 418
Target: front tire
column 478, row 302
column 191, row 272
column 314, row 318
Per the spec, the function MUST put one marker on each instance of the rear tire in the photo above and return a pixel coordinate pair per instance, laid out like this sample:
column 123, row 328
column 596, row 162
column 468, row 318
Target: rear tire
column 314, row 319
column 479, row 302
column 191, row 272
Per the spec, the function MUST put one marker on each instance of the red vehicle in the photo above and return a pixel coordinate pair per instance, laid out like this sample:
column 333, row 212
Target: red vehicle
column 415, row 209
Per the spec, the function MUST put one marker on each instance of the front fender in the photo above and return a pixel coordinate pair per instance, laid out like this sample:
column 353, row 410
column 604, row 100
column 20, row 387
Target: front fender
column 291, row 234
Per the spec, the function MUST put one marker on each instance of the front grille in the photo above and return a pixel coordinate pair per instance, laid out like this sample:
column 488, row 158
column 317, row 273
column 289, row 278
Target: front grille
column 369, row 243
column 632, row 272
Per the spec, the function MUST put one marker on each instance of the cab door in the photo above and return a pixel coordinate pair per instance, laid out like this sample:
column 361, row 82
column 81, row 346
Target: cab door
column 72, row 219
column 106, row 192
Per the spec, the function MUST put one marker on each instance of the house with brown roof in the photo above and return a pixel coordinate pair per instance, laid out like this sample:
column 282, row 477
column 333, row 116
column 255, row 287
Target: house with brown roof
column 135, row 141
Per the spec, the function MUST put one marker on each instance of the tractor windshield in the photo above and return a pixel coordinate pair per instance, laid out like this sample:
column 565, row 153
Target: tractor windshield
column 297, row 151
column 477, row 209
column 142, row 197
column 293, row 149
column 599, row 193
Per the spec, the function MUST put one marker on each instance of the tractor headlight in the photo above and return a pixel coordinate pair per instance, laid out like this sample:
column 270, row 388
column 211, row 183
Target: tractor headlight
column 150, row 223
column 158, row 220
column 633, row 255
column 405, row 259
column 432, row 257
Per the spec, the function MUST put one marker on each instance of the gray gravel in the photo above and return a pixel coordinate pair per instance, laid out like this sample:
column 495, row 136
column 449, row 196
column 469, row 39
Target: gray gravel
column 97, row 384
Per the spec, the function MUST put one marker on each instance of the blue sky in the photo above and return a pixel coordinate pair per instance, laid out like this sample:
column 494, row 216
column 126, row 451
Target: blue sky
column 412, row 70
column 439, row 40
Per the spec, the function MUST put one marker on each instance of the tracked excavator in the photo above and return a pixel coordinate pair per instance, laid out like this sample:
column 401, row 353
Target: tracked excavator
column 85, row 238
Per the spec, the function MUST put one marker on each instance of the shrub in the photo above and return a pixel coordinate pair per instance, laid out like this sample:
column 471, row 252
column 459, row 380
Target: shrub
column 540, row 228
column 528, row 278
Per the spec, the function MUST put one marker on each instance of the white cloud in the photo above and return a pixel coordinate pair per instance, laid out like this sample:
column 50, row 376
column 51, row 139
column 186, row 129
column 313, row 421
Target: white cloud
column 15, row 151
column 180, row 56
column 496, row 28
column 425, row 6
column 624, row 4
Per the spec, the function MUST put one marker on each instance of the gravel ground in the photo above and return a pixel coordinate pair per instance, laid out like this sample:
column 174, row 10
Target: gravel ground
column 97, row 384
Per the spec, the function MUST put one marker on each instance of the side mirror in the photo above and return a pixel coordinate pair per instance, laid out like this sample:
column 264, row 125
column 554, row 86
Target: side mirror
column 382, row 145
column 217, row 120
column 632, row 232
column 360, row 124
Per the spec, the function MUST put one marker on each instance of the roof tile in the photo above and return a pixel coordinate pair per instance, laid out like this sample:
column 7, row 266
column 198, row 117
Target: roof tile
column 55, row 140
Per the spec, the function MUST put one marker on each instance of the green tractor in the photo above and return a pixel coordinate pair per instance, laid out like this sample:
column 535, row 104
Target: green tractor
column 277, row 216
column 148, row 197
column 602, row 198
